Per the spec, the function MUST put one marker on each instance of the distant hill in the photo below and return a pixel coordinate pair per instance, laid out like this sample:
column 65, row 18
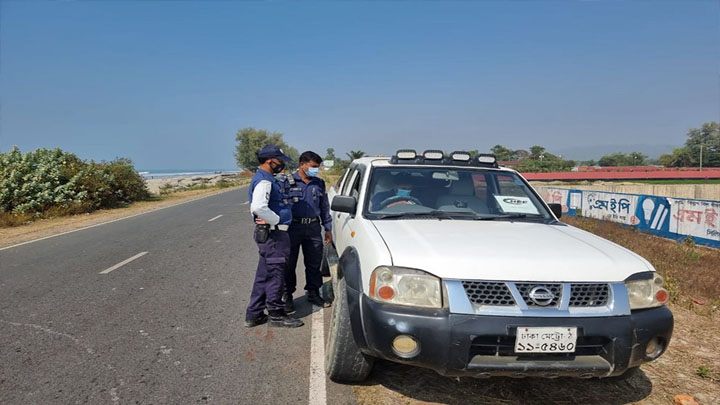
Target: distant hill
column 595, row 152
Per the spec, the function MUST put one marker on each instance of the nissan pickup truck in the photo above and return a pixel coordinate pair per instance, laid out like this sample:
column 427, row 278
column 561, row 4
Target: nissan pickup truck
column 449, row 262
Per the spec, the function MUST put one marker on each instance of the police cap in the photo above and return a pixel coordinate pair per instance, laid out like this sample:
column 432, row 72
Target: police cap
column 272, row 151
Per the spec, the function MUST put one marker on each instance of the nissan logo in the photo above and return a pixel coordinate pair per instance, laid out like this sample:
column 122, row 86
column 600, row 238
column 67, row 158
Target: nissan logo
column 541, row 296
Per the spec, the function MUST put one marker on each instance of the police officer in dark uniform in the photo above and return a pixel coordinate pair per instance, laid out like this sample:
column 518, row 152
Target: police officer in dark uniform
column 311, row 228
column 273, row 215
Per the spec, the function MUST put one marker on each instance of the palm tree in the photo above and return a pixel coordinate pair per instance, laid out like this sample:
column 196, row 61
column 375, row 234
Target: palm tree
column 355, row 154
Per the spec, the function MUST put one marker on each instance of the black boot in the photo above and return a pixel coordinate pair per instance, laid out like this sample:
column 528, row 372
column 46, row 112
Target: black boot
column 249, row 323
column 282, row 320
column 289, row 303
column 314, row 298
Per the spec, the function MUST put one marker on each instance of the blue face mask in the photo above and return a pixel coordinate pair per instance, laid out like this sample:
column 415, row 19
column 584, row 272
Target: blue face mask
column 312, row 171
column 403, row 193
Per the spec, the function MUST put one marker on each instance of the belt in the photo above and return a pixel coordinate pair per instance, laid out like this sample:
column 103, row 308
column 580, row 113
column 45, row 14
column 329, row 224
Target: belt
column 305, row 221
column 279, row 227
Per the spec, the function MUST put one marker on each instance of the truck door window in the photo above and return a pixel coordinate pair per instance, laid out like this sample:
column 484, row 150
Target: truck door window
column 349, row 181
column 340, row 180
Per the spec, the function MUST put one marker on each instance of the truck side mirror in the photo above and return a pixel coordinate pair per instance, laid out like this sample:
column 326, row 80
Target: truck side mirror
column 343, row 203
column 556, row 209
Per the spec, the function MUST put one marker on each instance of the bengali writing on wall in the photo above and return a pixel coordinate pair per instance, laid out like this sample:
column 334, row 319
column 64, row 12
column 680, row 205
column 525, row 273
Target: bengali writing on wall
column 674, row 218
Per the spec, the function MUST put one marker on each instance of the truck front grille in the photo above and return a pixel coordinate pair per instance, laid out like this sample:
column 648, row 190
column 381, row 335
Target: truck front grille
column 526, row 288
column 535, row 296
column 488, row 293
column 589, row 295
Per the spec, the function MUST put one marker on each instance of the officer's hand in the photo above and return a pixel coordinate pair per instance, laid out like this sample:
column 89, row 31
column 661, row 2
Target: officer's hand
column 328, row 237
column 260, row 221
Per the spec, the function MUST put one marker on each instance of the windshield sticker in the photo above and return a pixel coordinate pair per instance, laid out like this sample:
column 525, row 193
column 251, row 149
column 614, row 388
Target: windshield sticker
column 509, row 203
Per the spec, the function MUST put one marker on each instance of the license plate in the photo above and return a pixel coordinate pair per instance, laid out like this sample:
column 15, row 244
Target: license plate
column 545, row 339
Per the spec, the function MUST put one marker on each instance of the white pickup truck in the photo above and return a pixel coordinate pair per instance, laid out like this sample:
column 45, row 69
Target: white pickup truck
column 449, row 262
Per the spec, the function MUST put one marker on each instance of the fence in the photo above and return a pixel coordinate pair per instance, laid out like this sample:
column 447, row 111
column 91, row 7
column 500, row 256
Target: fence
column 674, row 218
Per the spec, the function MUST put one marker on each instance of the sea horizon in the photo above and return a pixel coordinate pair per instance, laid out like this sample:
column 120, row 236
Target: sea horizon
column 152, row 173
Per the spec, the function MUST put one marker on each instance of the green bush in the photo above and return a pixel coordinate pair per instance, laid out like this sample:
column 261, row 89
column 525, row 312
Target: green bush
column 53, row 180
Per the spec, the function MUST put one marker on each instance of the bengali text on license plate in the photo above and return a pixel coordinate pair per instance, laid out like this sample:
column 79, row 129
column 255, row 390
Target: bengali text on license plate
column 545, row 339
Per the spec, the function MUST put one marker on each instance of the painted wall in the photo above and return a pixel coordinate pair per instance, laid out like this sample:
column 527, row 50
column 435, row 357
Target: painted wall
column 691, row 191
column 673, row 218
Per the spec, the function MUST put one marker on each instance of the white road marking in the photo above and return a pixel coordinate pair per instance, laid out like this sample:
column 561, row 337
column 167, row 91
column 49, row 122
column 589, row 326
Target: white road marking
column 246, row 203
column 317, row 360
column 214, row 218
column 122, row 263
column 113, row 220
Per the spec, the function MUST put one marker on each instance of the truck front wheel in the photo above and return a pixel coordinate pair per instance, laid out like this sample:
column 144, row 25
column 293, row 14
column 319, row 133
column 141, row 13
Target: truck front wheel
column 344, row 362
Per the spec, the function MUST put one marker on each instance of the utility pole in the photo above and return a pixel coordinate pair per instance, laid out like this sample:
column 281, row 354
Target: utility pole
column 701, row 148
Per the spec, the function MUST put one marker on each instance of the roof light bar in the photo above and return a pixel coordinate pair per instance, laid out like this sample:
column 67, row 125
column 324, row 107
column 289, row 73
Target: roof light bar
column 460, row 156
column 406, row 154
column 438, row 157
column 433, row 155
column 488, row 159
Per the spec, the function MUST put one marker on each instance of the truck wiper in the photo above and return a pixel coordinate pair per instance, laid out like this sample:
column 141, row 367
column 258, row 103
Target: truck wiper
column 431, row 214
column 506, row 216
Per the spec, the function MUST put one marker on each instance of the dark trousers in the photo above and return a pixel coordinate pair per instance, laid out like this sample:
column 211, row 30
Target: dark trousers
column 309, row 237
column 269, row 282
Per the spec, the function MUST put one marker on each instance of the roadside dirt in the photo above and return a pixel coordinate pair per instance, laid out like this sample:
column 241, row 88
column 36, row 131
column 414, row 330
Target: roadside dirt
column 46, row 227
column 694, row 344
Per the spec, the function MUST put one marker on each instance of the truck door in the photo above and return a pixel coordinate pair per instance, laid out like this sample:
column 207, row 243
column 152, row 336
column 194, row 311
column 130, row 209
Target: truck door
column 343, row 229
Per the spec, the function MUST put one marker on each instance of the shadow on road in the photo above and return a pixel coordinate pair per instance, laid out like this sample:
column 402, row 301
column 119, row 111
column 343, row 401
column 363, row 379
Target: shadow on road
column 302, row 307
column 428, row 386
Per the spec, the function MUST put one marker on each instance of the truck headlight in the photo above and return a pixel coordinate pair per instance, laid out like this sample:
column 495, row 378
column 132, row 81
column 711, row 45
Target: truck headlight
column 647, row 293
column 402, row 286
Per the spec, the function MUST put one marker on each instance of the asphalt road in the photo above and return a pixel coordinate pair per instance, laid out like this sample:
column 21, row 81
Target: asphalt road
column 166, row 327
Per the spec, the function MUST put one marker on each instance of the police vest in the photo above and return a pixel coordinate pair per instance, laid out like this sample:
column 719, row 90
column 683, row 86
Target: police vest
column 278, row 198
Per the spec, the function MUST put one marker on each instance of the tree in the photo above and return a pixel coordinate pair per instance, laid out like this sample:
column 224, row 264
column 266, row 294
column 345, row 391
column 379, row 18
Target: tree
column 250, row 140
column 355, row 154
column 680, row 157
column 621, row 159
column 501, row 153
column 536, row 152
column 707, row 138
column 520, row 154
column 613, row 159
column 330, row 155
column 637, row 159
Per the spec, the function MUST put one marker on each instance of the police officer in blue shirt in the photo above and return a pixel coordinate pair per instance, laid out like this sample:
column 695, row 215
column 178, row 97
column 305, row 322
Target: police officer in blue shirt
column 311, row 210
column 273, row 215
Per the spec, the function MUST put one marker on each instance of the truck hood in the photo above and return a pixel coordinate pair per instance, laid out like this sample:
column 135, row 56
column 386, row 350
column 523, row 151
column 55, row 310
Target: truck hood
column 504, row 250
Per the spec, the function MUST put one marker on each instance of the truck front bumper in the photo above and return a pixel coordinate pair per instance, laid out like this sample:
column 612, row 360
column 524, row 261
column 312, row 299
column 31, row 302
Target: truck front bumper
column 482, row 346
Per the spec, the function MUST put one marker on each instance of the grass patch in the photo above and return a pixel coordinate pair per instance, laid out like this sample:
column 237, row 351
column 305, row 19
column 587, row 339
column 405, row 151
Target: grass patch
column 704, row 372
column 690, row 271
column 10, row 219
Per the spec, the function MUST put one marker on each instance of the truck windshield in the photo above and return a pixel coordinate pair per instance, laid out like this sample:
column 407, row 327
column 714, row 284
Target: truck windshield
column 456, row 193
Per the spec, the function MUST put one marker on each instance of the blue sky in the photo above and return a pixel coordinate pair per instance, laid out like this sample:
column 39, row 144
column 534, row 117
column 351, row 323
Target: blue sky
column 168, row 84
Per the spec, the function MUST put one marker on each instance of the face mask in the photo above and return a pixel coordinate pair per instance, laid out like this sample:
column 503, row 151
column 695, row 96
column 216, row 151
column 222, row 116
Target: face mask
column 277, row 168
column 312, row 171
column 403, row 193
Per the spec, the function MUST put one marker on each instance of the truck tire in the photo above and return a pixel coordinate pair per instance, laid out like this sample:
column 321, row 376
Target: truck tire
column 344, row 362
